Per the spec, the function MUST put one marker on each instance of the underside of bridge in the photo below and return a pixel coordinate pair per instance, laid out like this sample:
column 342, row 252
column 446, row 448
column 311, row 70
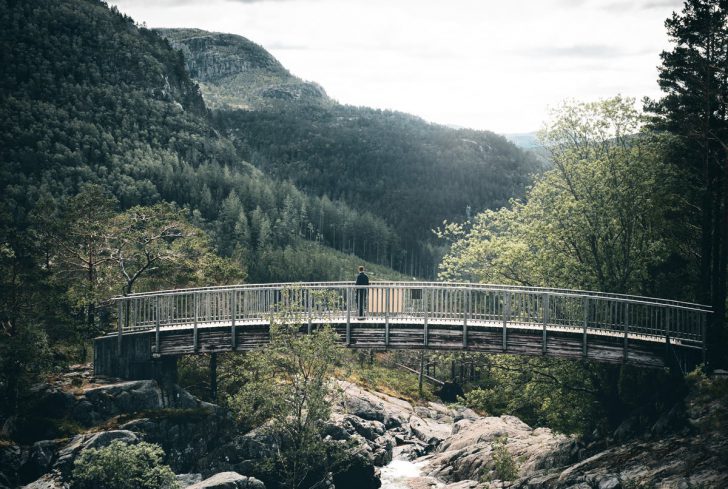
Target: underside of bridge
column 148, row 354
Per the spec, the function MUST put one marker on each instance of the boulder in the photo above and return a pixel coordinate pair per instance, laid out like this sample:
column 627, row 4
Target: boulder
column 11, row 458
column 466, row 454
column 186, row 480
column 228, row 480
column 48, row 401
column 69, row 453
column 41, row 456
column 126, row 397
column 428, row 430
column 390, row 411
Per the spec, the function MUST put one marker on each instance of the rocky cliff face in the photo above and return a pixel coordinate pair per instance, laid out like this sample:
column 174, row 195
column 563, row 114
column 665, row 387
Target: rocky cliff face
column 234, row 72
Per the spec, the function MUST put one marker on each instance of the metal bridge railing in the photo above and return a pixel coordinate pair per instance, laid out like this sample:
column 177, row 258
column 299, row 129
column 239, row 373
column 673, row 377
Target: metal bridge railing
column 422, row 302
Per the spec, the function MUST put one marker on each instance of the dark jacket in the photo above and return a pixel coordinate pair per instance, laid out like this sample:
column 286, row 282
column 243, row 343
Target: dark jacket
column 362, row 279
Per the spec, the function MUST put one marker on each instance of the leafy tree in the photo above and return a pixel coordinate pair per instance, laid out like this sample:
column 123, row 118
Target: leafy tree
column 695, row 108
column 155, row 244
column 289, row 383
column 79, row 254
column 123, row 466
column 597, row 220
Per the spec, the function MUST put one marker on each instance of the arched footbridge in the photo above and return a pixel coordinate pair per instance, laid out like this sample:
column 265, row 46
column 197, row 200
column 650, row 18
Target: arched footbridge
column 153, row 329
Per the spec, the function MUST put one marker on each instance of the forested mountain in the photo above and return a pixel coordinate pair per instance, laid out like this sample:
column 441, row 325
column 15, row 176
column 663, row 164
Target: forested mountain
column 406, row 171
column 90, row 97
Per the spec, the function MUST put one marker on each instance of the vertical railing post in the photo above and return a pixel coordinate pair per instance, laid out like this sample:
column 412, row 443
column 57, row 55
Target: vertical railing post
column 158, row 320
column 626, row 328
column 467, row 296
column 704, row 333
column 506, row 314
column 425, row 307
column 386, row 317
column 586, row 324
column 195, row 319
column 545, row 318
column 233, row 313
column 667, row 335
column 119, row 321
column 309, row 309
column 349, row 289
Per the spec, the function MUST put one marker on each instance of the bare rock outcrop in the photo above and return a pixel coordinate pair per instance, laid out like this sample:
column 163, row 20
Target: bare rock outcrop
column 467, row 454
column 228, row 480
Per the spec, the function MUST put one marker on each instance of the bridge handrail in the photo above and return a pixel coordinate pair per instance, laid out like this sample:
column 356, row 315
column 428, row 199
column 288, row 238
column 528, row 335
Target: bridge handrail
column 418, row 285
column 592, row 312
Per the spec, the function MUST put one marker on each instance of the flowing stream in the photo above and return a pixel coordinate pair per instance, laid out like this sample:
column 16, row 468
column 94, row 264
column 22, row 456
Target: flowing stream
column 396, row 473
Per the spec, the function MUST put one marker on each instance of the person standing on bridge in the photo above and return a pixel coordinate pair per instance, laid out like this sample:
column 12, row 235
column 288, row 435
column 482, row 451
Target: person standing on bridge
column 361, row 293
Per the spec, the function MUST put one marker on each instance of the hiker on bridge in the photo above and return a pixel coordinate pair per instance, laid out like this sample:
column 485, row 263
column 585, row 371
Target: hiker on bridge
column 361, row 293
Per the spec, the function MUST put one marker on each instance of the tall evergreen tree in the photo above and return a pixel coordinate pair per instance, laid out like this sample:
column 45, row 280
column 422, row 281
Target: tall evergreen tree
column 695, row 81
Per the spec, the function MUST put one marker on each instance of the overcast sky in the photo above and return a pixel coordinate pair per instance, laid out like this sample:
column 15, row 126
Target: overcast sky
column 485, row 64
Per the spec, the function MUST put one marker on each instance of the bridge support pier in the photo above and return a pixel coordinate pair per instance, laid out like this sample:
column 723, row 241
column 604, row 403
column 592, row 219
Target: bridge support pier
column 130, row 357
column 213, row 376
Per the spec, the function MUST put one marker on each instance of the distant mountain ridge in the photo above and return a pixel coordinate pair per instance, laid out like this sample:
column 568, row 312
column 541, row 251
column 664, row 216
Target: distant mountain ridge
column 411, row 173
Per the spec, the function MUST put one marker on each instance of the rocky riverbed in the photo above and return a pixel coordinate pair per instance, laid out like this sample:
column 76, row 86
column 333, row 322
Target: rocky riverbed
column 402, row 445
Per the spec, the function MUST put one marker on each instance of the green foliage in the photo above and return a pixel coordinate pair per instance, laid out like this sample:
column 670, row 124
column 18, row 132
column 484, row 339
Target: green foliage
column 123, row 466
column 24, row 356
column 556, row 393
column 384, row 376
column 504, row 465
column 599, row 220
column 109, row 103
column 289, row 384
column 694, row 108
column 406, row 172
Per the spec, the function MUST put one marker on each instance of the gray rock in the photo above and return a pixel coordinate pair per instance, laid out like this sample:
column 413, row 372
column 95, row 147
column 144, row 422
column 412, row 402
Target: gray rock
column 68, row 454
column 126, row 397
column 466, row 452
column 48, row 481
column 84, row 413
column 465, row 413
column 610, row 483
column 11, row 458
column 186, row 480
column 229, row 480
column 428, row 430
column 368, row 429
column 41, row 456
column 49, row 401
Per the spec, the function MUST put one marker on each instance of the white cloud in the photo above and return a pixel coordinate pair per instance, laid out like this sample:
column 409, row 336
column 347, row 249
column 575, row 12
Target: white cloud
column 478, row 63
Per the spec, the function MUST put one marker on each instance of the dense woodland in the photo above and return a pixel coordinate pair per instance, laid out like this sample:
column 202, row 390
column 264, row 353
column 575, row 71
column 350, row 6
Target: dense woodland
column 101, row 124
column 410, row 173
column 91, row 98
column 116, row 177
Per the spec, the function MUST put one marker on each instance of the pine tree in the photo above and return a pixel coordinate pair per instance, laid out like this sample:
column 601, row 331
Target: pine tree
column 695, row 81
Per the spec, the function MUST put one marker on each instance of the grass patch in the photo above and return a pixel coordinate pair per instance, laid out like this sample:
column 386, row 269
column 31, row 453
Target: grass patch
column 392, row 381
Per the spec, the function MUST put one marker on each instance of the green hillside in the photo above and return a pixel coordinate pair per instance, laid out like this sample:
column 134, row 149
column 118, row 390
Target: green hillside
column 408, row 172
column 90, row 97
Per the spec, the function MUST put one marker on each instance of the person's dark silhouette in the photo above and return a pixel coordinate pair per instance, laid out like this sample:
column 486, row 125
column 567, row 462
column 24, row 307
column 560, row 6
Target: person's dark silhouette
column 361, row 293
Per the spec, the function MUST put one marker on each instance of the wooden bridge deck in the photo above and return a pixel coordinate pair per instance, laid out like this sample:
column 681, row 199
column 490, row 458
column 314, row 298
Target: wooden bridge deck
column 493, row 319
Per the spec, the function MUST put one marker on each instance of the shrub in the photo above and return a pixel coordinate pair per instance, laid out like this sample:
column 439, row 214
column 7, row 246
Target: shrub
column 123, row 466
column 504, row 465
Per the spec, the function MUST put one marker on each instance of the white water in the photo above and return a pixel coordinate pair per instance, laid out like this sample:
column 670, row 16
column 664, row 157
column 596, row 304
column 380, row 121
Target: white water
column 395, row 474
